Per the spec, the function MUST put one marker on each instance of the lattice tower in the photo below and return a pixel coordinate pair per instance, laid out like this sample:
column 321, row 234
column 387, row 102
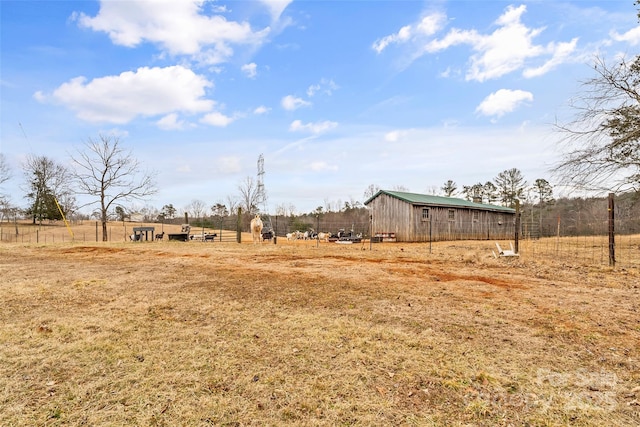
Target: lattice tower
column 262, row 195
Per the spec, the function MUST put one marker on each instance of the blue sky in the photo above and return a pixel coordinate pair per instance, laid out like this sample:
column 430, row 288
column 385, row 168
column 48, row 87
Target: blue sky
column 336, row 95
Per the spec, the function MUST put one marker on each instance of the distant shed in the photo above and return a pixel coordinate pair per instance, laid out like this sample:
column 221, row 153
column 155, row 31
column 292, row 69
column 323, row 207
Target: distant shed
column 416, row 217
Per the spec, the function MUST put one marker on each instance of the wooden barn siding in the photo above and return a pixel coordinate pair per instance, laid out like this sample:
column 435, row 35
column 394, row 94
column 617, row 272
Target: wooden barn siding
column 463, row 227
column 391, row 215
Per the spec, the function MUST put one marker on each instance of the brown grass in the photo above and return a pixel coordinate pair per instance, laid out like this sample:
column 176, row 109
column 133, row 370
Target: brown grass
column 301, row 333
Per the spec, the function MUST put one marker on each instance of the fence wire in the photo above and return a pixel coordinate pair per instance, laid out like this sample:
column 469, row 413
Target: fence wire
column 584, row 250
column 589, row 247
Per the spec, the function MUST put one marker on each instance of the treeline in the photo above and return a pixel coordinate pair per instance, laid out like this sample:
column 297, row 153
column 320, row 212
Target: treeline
column 581, row 216
column 50, row 194
column 565, row 216
column 356, row 218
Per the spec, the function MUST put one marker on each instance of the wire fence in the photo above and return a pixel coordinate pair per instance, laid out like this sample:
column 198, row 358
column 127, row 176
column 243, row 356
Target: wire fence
column 334, row 227
column 589, row 248
column 88, row 231
column 56, row 233
column 581, row 236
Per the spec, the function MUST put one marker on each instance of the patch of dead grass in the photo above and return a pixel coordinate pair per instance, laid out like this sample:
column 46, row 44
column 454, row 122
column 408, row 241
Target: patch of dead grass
column 170, row 333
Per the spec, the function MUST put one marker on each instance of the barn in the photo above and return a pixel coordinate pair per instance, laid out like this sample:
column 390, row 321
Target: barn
column 410, row 217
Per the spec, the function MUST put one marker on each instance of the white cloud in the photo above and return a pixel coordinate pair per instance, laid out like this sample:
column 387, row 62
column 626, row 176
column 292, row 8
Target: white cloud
column 250, row 70
column 314, row 128
column 291, row 103
column 312, row 90
column 632, row 36
column 276, row 7
column 120, row 133
column 184, row 168
column 428, row 26
column 319, row 166
column 503, row 101
column 402, row 35
column 170, row 122
column 40, row 96
column 261, row 110
column 431, row 24
column 326, row 86
column 561, row 52
column 144, row 92
column 508, row 48
column 452, row 38
column 178, row 27
column 217, row 119
column 395, row 135
column 229, row 164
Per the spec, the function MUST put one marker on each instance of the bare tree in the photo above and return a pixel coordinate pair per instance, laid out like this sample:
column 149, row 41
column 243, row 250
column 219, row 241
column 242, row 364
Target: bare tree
column 233, row 204
column 196, row 208
column 281, row 210
column 432, row 190
column 5, row 171
column 249, row 195
column 354, row 202
column 327, row 205
column 107, row 172
column 370, row 191
column 5, row 175
column 150, row 213
column 6, row 209
column 602, row 141
column 68, row 203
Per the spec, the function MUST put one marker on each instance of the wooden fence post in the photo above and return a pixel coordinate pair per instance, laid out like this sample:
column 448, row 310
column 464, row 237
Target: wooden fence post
column 612, row 243
column 517, row 227
column 239, row 226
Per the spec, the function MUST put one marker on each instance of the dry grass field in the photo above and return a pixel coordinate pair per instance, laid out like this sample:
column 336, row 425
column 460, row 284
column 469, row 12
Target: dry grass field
column 313, row 334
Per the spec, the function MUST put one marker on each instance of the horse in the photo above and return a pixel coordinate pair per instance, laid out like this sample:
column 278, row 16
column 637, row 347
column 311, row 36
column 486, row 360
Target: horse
column 256, row 229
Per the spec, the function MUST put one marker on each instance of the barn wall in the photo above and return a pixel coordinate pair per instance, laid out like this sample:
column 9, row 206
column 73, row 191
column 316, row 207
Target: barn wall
column 391, row 215
column 464, row 226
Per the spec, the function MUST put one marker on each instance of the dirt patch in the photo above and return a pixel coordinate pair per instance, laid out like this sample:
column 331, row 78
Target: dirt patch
column 92, row 250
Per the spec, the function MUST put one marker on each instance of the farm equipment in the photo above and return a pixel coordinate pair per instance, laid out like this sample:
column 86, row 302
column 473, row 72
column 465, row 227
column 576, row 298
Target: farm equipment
column 348, row 237
column 205, row 237
column 183, row 236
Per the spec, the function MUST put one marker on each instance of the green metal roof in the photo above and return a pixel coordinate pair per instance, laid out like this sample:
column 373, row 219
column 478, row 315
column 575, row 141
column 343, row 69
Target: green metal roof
column 428, row 200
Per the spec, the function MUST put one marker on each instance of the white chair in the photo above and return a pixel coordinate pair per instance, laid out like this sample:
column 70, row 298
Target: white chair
column 506, row 252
